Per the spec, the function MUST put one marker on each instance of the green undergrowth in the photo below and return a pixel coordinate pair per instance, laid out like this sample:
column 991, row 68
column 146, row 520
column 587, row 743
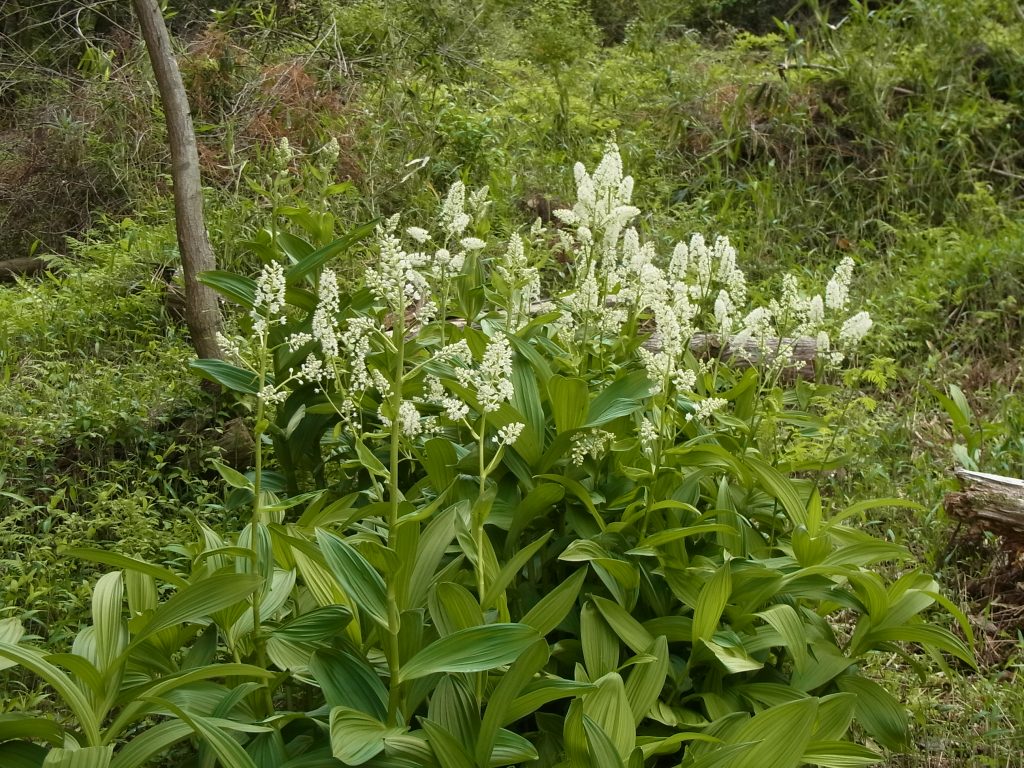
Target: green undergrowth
column 886, row 132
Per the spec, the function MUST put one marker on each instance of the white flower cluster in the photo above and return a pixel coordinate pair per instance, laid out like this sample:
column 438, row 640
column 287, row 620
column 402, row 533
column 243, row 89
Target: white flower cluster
column 706, row 407
column 329, row 154
column 454, row 408
column 590, row 443
column 410, row 423
column 397, row 279
column 453, row 217
column 268, row 305
column 492, row 381
column 508, row 434
column 521, row 280
column 282, row 155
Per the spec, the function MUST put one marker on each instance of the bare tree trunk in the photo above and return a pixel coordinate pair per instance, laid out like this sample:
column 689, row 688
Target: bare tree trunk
column 202, row 312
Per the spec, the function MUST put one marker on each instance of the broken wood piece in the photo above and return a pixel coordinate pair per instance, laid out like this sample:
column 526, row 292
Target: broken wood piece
column 989, row 502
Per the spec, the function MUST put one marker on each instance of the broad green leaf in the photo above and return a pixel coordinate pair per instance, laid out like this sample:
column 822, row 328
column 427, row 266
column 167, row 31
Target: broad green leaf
column 234, row 378
column 356, row 737
column 475, row 649
column 602, row 750
column 711, row 603
column 511, row 749
column 877, row 711
column 453, row 608
column 105, row 557
column 511, row 568
column 539, row 500
column 835, row 713
column 240, row 289
column 232, row 477
column 784, row 619
column 11, row 632
column 143, row 748
column 779, row 486
column 734, row 658
column 630, row 631
column 569, row 399
column 135, row 700
column 433, row 542
column 522, row 671
column 552, row 609
column 840, row 754
column 107, row 608
column 80, row 757
column 199, row 600
column 600, row 644
column 446, row 748
column 19, row 726
column 781, row 734
column 526, row 400
column 350, row 682
column 439, row 460
column 544, row 691
column 923, row 634
column 646, row 681
column 649, row 544
column 318, row 258
column 21, row 754
column 357, row 577
column 581, row 493
column 71, row 694
column 828, row 662
column 228, row 751
column 608, row 706
column 318, row 624
column 621, row 398
column 454, row 707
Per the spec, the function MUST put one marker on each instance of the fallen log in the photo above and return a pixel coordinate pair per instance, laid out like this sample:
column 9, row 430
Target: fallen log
column 799, row 353
column 12, row 269
column 990, row 503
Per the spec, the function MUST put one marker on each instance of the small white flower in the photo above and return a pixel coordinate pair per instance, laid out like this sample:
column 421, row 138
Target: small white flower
column 329, row 153
column 591, row 443
column 418, row 234
column 271, row 396
column 493, row 379
column 837, row 292
column 508, row 434
column 706, row 407
column 269, row 302
column 282, row 154
column 648, row 433
column 453, row 218
column 472, row 243
column 855, row 328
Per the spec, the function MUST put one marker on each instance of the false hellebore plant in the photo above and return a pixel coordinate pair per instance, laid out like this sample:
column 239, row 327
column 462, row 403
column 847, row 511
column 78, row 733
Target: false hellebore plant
column 504, row 530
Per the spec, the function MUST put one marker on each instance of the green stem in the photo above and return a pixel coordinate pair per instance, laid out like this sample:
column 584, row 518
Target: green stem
column 478, row 521
column 259, row 643
column 395, row 714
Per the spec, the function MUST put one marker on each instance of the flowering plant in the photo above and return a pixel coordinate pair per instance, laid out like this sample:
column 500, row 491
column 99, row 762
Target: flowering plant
column 554, row 522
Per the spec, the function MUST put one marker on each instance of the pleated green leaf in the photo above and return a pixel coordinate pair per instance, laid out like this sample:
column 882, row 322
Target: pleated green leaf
column 81, row 757
column 357, row 577
column 475, row 649
column 356, row 737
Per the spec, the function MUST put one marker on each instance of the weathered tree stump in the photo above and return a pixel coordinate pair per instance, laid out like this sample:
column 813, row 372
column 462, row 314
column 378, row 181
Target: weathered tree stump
column 989, row 503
